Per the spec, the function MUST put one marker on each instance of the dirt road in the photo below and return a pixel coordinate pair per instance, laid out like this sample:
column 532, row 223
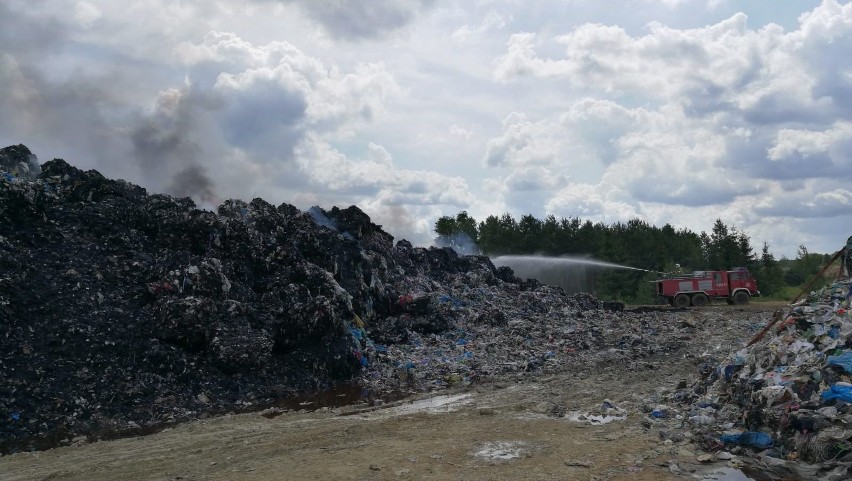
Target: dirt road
column 586, row 422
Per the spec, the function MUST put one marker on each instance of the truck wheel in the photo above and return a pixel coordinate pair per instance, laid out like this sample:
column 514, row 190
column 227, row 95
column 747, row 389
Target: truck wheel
column 699, row 299
column 741, row 297
column 681, row 300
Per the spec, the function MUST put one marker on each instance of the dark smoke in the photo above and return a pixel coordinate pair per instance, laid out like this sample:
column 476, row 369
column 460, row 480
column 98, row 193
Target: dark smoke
column 158, row 144
column 165, row 143
column 193, row 182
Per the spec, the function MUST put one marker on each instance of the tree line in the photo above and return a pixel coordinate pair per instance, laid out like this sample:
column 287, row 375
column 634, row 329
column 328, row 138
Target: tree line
column 634, row 243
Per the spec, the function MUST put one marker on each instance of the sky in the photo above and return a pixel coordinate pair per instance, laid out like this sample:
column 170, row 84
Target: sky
column 671, row 111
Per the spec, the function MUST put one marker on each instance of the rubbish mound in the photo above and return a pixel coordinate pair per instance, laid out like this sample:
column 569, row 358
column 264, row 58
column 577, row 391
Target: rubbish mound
column 124, row 311
column 787, row 399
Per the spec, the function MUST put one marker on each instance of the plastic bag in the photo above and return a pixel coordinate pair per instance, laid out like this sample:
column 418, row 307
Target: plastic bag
column 749, row 438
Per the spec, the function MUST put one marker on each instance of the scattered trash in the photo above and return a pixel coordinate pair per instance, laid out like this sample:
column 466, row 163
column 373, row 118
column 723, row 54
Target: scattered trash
column 787, row 395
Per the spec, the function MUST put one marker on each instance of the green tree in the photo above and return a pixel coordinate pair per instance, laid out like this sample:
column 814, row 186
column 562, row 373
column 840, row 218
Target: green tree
column 529, row 235
column 726, row 248
column 491, row 238
column 769, row 275
column 549, row 243
column 446, row 226
column 510, row 234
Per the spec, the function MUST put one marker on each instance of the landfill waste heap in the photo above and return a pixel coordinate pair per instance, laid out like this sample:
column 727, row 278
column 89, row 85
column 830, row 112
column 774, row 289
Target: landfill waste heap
column 122, row 310
column 786, row 400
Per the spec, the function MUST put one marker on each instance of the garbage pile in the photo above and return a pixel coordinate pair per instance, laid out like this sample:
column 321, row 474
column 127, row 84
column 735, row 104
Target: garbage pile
column 788, row 397
column 123, row 311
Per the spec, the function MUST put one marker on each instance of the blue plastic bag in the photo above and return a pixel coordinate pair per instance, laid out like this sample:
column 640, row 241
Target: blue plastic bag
column 844, row 361
column 834, row 332
column 844, row 393
column 749, row 438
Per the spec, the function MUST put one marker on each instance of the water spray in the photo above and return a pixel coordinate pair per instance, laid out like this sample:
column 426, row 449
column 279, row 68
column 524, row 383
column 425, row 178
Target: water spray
column 562, row 261
column 573, row 274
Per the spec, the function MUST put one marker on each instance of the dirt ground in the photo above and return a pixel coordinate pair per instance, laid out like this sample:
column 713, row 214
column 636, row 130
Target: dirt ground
column 525, row 428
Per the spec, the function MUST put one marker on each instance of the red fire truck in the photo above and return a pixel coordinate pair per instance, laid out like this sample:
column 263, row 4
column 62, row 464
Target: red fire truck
column 736, row 286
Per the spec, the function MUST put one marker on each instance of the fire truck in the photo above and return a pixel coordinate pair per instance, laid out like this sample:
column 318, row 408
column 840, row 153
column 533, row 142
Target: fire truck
column 736, row 286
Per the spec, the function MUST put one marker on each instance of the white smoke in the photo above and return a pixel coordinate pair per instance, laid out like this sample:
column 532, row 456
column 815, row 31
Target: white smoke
column 461, row 243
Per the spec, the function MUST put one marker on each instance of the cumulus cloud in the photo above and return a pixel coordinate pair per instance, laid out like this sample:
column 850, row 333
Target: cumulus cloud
column 733, row 118
column 600, row 202
column 377, row 176
column 585, row 133
column 812, row 199
column 523, row 142
column 764, row 75
column 533, row 179
column 810, row 146
column 276, row 85
column 578, row 143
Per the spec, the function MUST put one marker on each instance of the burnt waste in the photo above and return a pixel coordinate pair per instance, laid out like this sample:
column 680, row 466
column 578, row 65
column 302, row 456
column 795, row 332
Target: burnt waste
column 122, row 311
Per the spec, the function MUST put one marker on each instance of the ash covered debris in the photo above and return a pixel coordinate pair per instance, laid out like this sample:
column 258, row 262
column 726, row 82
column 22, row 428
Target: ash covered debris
column 123, row 310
